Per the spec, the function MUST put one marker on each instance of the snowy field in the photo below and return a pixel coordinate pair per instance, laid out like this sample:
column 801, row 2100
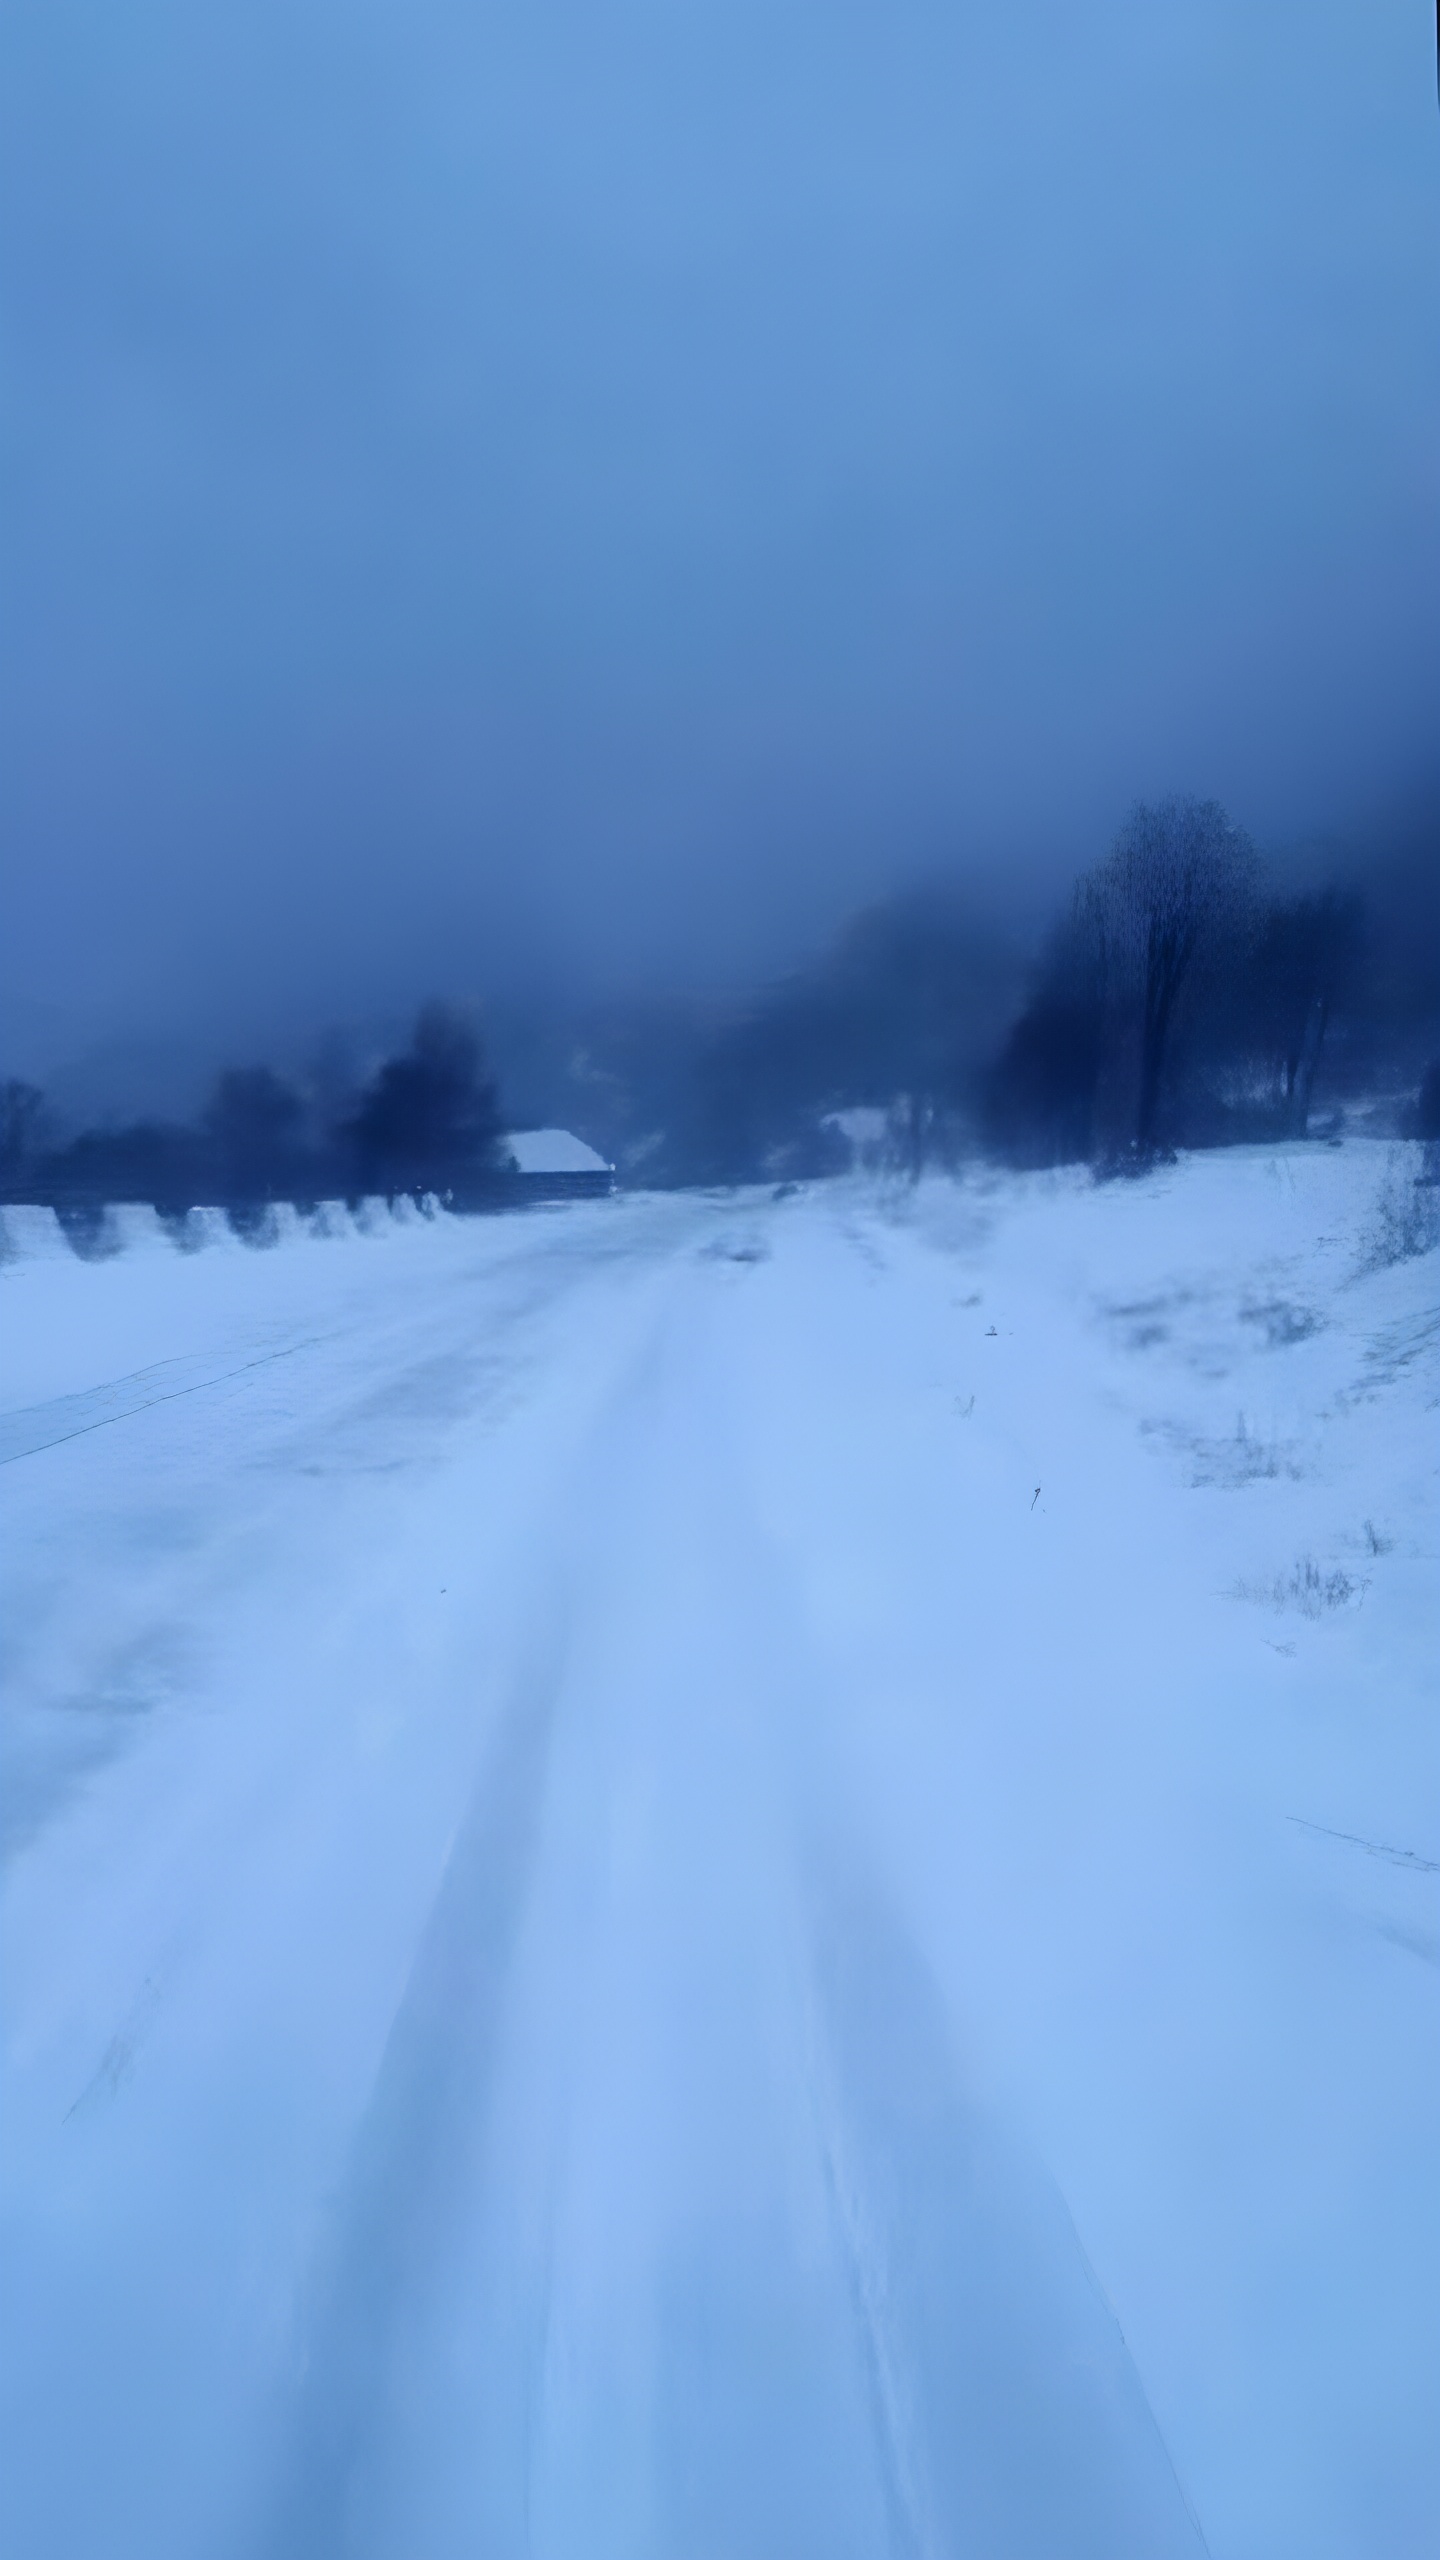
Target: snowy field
column 697, row 1879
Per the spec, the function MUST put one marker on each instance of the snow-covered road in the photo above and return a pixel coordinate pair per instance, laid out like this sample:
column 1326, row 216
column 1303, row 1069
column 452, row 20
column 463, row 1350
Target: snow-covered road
column 727, row 1877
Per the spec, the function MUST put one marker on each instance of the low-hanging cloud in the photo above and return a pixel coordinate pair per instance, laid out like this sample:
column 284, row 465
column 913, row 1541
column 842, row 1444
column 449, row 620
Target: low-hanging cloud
column 599, row 488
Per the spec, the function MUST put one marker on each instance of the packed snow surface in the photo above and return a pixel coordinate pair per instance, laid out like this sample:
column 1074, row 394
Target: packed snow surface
column 698, row 1879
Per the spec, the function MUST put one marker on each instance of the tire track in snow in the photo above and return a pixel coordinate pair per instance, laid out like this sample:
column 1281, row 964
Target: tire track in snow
column 1003, row 2412
column 31, row 1429
column 1012, row 2416
column 1007, row 2414
column 415, row 2154
column 667, row 2363
column 1002, row 2409
column 417, row 2179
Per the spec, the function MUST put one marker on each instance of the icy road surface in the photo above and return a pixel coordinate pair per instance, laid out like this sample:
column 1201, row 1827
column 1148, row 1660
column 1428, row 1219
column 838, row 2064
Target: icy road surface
column 726, row 1880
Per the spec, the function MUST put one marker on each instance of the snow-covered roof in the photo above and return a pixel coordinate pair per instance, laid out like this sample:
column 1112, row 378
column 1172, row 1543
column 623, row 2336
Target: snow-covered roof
column 552, row 1151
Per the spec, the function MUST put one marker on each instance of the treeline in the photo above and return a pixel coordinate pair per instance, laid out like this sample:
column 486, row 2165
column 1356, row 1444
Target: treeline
column 427, row 1121
column 1175, row 1002
column 1180, row 999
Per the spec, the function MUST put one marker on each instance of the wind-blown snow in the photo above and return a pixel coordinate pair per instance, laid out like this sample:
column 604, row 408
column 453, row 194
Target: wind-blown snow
column 714, row 1877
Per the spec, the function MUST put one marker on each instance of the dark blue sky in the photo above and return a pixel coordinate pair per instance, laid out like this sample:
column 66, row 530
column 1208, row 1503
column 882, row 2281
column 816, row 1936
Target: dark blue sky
column 614, row 483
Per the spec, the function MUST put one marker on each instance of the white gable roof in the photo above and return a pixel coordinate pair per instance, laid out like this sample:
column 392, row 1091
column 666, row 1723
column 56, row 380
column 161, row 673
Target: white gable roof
column 552, row 1151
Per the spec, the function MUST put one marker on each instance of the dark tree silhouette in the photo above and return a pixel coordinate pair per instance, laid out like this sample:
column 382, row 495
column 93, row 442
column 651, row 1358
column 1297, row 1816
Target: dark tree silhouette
column 1039, row 1100
column 145, row 1160
column 1181, row 877
column 430, row 1120
column 1306, row 955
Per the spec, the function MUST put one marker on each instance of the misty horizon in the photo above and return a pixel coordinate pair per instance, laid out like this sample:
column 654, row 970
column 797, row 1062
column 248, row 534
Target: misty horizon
column 550, row 504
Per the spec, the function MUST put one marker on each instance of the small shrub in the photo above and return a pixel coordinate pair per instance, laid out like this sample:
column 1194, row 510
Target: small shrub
column 1405, row 1220
column 1312, row 1590
column 1308, row 1587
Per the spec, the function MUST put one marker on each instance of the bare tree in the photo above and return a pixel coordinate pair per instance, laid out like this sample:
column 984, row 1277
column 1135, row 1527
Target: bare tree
column 1306, row 956
column 1180, row 878
column 1039, row 1097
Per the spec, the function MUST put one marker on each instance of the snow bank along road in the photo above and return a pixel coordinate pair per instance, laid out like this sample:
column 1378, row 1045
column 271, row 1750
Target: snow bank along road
column 721, row 1878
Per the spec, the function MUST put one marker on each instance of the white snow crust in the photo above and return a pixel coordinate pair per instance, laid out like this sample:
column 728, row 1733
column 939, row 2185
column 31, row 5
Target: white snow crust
column 727, row 1878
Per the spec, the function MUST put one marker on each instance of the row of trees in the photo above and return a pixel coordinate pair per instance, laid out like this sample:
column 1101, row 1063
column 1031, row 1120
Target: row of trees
column 1180, row 999
column 1175, row 999
column 427, row 1120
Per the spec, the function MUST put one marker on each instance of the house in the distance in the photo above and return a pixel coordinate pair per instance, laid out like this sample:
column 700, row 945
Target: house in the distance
column 551, row 1164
